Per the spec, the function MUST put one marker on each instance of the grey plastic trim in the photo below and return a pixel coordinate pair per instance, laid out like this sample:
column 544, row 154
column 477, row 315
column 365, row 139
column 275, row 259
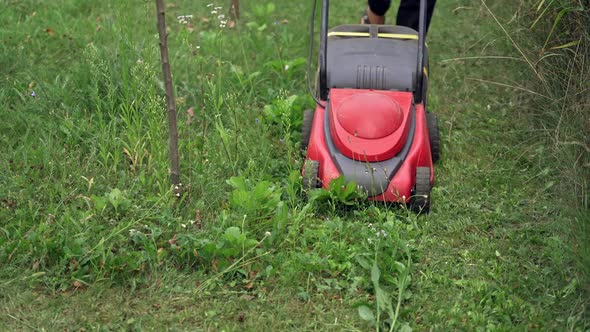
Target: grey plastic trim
column 374, row 63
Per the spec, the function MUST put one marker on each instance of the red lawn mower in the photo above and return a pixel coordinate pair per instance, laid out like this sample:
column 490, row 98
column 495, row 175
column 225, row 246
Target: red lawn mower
column 370, row 124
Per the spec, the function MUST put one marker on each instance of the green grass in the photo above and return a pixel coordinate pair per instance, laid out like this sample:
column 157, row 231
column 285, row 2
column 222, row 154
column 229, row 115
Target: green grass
column 92, row 238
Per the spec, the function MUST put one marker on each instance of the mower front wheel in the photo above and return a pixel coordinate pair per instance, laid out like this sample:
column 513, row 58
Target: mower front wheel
column 420, row 202
column 306, row 129
column 311, row 180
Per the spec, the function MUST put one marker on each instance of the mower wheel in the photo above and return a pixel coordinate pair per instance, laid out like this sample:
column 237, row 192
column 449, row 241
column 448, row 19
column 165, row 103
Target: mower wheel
column 306, row 128
column 420, row 202
column 311, row 179
column 434, row 133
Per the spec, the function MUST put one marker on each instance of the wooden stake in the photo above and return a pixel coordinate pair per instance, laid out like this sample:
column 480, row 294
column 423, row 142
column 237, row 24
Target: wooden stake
column 170, row 100
column 234, row 9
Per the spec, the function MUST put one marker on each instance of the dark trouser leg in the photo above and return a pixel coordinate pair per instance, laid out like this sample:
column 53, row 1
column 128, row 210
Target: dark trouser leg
column 408, row 13
column 379, row 7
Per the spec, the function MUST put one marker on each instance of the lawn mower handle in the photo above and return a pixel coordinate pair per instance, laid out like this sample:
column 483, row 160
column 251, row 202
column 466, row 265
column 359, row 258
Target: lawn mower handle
column 418, row 97
column 324, row 51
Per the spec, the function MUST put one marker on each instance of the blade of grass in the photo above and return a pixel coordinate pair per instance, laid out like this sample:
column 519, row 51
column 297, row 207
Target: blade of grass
column 495, row 57
column 511, row 86
column 566, row 45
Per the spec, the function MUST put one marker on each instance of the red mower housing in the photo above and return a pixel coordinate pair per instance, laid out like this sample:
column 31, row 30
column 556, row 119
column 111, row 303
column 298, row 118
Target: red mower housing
column 379, row 139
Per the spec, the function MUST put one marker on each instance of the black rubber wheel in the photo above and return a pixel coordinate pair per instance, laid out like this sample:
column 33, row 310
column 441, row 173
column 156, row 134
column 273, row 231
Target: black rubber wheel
column 434, row 133
column 311, row 170
column 306, row 128
column 420, row 202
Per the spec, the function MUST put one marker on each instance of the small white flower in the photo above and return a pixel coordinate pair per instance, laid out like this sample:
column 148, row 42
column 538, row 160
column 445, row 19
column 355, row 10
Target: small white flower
column 210, row 5
column 267, row 234
column 286, row 67
column 214, row 12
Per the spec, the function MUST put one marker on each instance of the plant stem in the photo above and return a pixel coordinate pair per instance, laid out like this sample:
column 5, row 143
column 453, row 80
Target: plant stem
column 401, row 287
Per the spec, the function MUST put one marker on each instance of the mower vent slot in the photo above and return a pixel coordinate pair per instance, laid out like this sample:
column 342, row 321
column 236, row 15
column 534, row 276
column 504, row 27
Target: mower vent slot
column 371, row 77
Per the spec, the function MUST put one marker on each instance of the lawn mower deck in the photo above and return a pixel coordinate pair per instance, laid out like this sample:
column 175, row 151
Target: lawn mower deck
column 371, row 125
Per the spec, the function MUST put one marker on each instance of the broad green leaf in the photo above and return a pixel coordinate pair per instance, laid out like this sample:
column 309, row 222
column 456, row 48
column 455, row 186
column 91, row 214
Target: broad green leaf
column 115, row 197
column 400, row 267
column 99, row 202
column 364, row 262
column 366, row 313
column 405, row 328
column 350, row 188
column 375, row 274
column 233, row 232
column 249, row 243
column 237, row 182
column 383, row 298
column 270, row 8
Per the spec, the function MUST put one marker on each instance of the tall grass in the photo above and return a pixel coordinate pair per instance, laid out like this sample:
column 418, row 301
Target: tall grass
column 562, row 44
column 559, row 41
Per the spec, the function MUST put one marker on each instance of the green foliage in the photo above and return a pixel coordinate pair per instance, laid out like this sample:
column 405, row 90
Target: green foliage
column 340, row 191
column 257, row 200
column 287, row 112
column 89, row 225
column 233, row 243
column 263, row 11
